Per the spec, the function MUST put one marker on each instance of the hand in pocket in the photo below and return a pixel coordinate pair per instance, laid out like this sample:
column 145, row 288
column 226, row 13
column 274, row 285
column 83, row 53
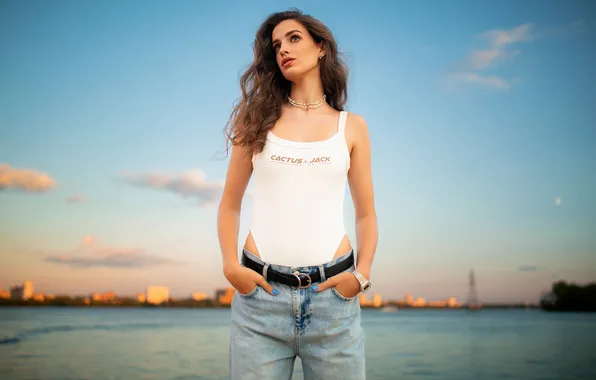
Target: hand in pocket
column 245, row 280
column 345, row 284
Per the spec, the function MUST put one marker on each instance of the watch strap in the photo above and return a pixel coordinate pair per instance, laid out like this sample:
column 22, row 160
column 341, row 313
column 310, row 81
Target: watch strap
column 364, row 283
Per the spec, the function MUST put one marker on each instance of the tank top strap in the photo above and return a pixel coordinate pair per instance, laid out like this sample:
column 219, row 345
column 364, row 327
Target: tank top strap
column 341, row 130
column 341, row 127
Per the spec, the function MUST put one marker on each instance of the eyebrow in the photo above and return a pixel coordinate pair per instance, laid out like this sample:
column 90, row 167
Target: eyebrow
column 287, row 34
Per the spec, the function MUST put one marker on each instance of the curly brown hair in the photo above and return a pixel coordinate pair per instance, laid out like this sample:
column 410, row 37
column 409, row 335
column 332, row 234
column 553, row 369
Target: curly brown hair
column 264, row 88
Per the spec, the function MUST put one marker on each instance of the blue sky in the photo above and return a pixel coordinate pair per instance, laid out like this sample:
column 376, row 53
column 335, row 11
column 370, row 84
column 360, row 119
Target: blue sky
column 481, row 119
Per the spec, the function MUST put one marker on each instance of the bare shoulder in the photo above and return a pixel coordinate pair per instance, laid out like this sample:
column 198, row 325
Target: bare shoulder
column 237, row 177
column 356, row 121
column 356, row 130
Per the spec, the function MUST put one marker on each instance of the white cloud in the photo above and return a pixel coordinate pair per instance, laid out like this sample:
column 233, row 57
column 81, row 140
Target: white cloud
column 481, row 59
column 192, row 184
column 27, row 180
column 499, row 48
column 486, row 81
column 90, row 253
column 499, row 38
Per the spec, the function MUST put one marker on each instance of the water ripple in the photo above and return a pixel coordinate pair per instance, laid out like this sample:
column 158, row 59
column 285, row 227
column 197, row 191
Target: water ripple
column 68, row 328
column 12, row 340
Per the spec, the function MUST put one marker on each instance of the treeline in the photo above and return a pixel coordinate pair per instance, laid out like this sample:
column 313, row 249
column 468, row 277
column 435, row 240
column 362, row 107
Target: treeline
column 570, row 297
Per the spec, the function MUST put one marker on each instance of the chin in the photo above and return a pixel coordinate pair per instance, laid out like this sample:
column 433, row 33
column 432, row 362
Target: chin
column 292, row 73
column 291, row 78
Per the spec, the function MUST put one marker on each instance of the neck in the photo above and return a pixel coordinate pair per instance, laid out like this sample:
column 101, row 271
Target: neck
column 307, row 90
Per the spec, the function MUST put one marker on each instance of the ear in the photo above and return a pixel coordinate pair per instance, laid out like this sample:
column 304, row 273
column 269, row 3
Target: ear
column 322, row 50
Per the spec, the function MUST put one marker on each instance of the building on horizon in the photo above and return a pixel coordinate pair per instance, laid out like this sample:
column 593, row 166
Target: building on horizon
column 103, row 297
column 4, row 294
column 363, row 300
column 225, row 296
column 157, row 294
column 198, row 296
column 408, row 299
column 419, row 302
column 39, row 297
column 450, row 302
column 376, row 301
column 23, row 292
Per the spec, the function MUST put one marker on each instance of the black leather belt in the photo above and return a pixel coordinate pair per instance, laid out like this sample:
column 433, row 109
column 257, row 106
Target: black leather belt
column 297, row 279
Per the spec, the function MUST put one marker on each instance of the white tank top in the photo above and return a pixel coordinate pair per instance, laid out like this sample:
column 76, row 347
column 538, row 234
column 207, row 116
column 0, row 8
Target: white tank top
column 298, row 198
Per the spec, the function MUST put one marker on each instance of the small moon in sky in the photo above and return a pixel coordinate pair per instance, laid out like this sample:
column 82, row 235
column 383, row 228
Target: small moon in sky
column 558, row 201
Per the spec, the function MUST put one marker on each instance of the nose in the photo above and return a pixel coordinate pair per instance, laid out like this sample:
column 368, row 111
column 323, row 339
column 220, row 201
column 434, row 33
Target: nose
column 283, row 50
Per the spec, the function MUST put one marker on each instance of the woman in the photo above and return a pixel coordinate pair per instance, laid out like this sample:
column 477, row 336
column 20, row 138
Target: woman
column 298, row 279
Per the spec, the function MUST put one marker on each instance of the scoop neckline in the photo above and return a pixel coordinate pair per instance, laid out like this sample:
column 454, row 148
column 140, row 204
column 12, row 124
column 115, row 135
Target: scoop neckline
column 276, row 139
column 279, row 140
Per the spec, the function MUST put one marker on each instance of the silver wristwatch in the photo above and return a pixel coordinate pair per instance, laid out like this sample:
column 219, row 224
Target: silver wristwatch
column 364, row 283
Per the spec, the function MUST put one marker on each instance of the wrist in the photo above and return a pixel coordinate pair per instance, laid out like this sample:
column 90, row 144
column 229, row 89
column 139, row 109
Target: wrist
column 365, row 271
column 362, row 279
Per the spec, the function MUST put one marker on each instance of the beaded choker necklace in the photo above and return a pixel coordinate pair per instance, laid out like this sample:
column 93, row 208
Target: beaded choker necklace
column 310, row 105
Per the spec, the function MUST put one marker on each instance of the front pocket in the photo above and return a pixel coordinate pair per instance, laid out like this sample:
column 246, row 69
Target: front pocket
column 341, row 297
column 251, row 294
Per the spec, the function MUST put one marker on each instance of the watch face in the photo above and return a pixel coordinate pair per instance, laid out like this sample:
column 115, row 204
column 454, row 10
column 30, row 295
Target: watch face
column 364, row 283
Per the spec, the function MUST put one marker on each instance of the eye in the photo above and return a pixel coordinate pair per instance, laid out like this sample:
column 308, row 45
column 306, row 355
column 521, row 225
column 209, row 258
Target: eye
column 295, row 36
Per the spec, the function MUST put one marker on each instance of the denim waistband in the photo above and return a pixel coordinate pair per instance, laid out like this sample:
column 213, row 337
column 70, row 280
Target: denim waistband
column 301, row 269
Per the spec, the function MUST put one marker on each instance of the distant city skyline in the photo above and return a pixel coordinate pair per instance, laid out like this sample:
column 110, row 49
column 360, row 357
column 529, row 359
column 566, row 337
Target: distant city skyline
column 481, row 120
column 28, row 287
column 157, row 294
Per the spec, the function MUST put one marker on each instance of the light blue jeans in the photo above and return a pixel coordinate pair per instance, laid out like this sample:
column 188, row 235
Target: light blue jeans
column 323, row 329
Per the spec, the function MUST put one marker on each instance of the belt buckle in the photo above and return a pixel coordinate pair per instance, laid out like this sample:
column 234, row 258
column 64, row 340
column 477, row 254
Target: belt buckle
column 297, row 275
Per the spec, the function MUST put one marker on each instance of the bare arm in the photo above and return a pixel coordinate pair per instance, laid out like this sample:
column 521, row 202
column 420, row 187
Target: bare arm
column 361, row 188
column 228, row 217
column 228, row 224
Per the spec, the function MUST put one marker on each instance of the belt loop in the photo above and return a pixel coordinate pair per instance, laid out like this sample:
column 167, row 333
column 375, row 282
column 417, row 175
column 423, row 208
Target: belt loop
column 265, row 267
column 322, row 272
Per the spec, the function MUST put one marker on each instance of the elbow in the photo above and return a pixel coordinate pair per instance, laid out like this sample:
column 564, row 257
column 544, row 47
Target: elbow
column 228, row 207
column 366, row 213
column 368, row 218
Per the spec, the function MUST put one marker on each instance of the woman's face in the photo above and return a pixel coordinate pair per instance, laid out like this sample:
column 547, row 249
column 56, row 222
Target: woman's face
column 296, row 53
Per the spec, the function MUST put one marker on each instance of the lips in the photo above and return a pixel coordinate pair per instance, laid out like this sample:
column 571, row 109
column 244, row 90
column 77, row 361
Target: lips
column 287, row 62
